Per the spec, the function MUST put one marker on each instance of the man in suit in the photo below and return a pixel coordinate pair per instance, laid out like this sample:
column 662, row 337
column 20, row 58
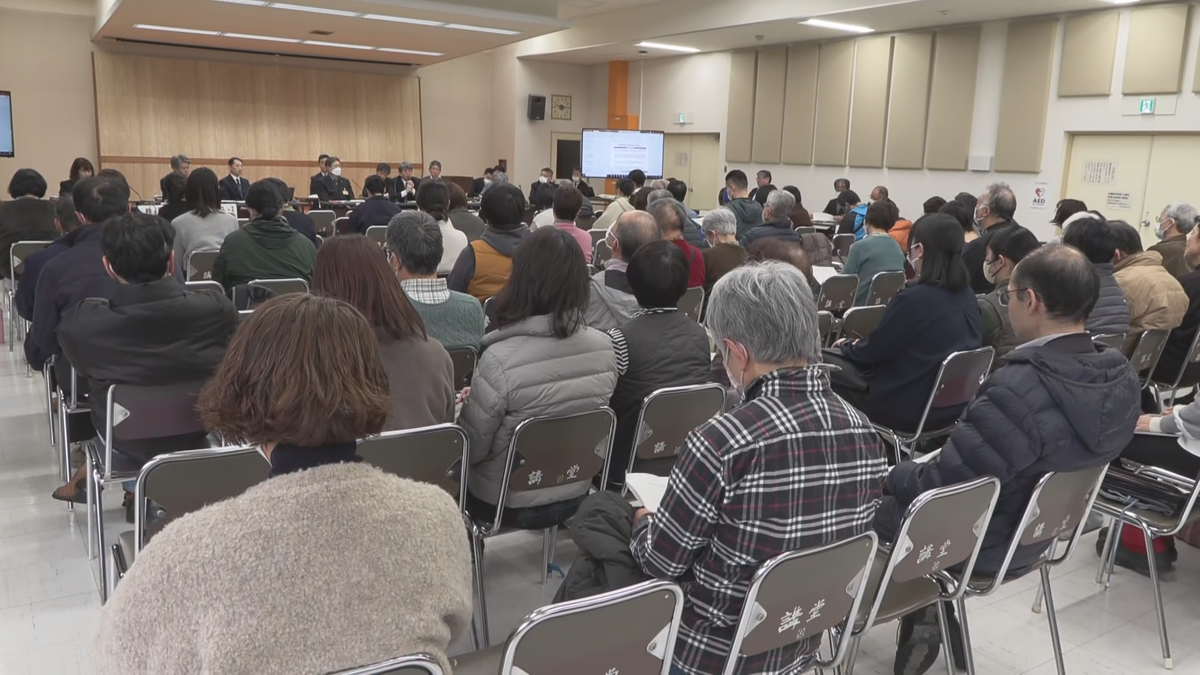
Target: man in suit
column 478, row 185
column 340, row 187
column 320, row 184
column 435, row 170
column 233, row 187
column 384, row 171
column 180, row 164
column 541, row 193
column 406, row 184
column 762, row 180
column 581, row 184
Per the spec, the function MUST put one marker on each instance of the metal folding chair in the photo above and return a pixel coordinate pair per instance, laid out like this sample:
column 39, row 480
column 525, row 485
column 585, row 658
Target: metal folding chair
column 16, row 257
column 74, row 418
column 841, row 246
column 837, row 293
column 692, row 303
column 417, row 664
column 804, row 229
column 323, row 221
column 464, row 360
column 860, row 322
column 597, row 236
column 179, row 483
column 378, row 234
column 341, row 225
column 884, row 287
column 958, row 381
column 1193, row 356
column 631, row 631
column 665, row 419
column 204, row 286
column 1145, row 354
column 1114, row 340
column 825, row 322
column 436, row 455
column 242, row 293
column 554, row 452
column 798, row 596
column 601, row 253
column 200, row 264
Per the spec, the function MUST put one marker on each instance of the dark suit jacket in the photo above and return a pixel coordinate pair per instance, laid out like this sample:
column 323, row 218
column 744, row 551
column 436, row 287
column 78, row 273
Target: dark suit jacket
column 342, row 189
column 71, row 276
column 477, row 186
column 389, row 187
column 322, row 186
column 375, row 211
column 541, row 195
column 400, row 181
column 234, row 189
column 586, row 189
column 302, row 223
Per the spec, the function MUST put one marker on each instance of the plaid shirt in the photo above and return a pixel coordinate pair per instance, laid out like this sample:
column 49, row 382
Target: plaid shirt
column 792, row 468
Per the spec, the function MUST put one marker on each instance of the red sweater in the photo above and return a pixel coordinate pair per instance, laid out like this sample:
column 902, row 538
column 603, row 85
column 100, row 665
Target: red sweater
column 695, row 262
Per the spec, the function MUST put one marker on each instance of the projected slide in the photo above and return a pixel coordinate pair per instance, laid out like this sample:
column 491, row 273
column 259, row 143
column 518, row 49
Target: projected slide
column 611, row 153
column 6, row 125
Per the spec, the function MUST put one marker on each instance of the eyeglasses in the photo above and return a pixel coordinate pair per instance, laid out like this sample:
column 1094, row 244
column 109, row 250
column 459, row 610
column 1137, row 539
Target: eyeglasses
column 1003, row 293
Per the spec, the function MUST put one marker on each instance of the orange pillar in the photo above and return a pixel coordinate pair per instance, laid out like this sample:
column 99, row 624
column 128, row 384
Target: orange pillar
column 618, row 103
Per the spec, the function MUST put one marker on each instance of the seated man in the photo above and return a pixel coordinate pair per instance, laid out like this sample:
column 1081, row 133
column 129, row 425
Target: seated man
column 672, row 219
column 152, row 332
column 65, row 221
column 777, row 219
column 377, row 211
column 266, row 247
column 1062, row 403
column 611, row 302
column 483, row 267
column 1095, row 239
column 414, row 243
column 660, row 347
column 753, row 483
column 1179, row 342
column 724, row 253
column 1156, row 300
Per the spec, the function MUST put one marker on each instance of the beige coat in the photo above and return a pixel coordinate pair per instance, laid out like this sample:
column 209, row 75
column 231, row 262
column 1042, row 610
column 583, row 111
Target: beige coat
column 1156, row 300
column 310, row 572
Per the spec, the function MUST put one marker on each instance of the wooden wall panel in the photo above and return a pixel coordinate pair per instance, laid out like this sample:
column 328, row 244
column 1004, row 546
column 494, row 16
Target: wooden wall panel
column 834, row 77
column 868, row 116
column 739, row 133
column 1025, row 95
column 909, row 108
column 1089, row 51
column 952, row 98
column 277, row 119
column 1157, row 44
column 800, row 106
column 768, row 105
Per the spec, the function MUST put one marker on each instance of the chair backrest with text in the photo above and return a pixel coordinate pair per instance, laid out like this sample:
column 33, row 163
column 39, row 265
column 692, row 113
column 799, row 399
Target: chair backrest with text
column 377, row 234
column 884, row 287
column 1144, row 356
column 958, row 381
column 200, row 264
column 435, row 455
column 136, row 413
column 837, row 293
column 666, row 417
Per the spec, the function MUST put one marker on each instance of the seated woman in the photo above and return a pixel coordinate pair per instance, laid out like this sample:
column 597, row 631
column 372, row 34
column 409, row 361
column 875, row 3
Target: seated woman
column 923, row 324
column 543, row 360
column 433, row 198
column 877, row 252
column 352, row 268
column 174, row 203
column 328, row 564
column 267, row 247
column 204, row 226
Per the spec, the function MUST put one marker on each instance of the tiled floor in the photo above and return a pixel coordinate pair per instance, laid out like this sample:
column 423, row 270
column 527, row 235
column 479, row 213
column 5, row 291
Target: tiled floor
column 49, row 605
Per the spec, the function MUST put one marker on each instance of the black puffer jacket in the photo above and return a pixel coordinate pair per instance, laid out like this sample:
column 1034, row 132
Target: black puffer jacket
column 1067, row 405
column 1111, row 313
column 778, row 229
column 602, row 529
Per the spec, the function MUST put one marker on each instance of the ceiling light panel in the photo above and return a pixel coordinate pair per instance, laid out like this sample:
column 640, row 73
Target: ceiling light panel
column 402, row 19
column 834, row 25
column 252, row 3
column 173, row 29
column 666, row 47
column 264, row 38
column 408, row 51
column 482, row 29
column 315, row 10
column 338, row 45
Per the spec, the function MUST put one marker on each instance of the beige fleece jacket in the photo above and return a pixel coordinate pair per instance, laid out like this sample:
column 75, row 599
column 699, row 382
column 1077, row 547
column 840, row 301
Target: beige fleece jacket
column 310, row 572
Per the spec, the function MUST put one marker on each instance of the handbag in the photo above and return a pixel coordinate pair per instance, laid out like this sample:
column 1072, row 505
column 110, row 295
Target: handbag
column 847, row 373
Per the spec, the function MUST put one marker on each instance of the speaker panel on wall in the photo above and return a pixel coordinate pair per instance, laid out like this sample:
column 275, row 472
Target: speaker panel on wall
column 537, row 107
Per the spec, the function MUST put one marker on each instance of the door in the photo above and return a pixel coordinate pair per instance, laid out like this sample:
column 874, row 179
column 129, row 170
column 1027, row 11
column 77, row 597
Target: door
column 1108, row 173
column 695, row 160
column 564, row 154
column 1172, row 178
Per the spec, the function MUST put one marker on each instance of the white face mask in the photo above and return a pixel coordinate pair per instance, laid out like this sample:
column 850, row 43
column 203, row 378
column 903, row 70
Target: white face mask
column 576, row 178
column 487, row 182
column 337, row 171
column 543, row 179
column 734, row 381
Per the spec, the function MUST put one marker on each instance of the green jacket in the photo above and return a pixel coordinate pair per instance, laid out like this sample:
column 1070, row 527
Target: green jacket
column 264, row 249
column 749, row 215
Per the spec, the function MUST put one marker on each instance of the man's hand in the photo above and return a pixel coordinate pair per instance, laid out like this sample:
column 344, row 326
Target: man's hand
column 641, row 513
column 1143, row 423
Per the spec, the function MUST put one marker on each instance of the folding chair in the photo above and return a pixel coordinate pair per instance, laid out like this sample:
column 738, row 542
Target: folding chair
column 1114, row 340
column 958, row 380
column 597, row 236
column 378, row 234
column 825, row 326
column 860, row 322
column 1058, row 508
column 941, row 529
column 200, row 264
column 796, row 597
column 341, row 225
column 884, row 287
column 74, row 417
column 665, row 419
column 841, row 245
column 837, row 293
column 204, row 286
column 554, row 452
column 436, row 455
column 1145, row 354
column 464, row 360
column 692, row 303
column 417, row 664
column 600, row 254
column 1193, row 356
column 242, row 222
column 135, row 413
column 179, row 483
column 586, row 224
column 630, row 631
column 804, row 229
column 243, row 297
column 16, row 257
column 1152, row 524
column 323, row 221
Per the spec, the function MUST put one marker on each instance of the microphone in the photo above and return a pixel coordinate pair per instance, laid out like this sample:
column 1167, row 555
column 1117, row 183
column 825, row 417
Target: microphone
column 355, row 185
column 139, row 195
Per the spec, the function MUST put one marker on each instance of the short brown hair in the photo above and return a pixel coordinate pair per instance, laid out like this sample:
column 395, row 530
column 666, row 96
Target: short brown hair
column 568, row 200
column 351, row 267
column 458, row 196
column 302, row 370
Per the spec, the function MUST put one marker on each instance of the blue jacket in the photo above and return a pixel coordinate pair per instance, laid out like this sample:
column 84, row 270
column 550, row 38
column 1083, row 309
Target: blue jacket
column 860, row 216
column 71, row 277
column 1067, row 405
column 33, row 267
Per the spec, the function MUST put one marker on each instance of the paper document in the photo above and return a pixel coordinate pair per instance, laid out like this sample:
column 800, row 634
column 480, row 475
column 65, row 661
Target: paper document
column 648, row 488
column 822, row 273
column 928, row 457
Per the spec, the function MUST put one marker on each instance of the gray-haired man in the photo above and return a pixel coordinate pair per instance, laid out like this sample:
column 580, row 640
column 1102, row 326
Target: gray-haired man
column 407, row 183
column 724, row 253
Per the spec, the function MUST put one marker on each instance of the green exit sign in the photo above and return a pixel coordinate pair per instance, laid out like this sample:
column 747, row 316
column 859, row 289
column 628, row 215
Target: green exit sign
column 1147, row 106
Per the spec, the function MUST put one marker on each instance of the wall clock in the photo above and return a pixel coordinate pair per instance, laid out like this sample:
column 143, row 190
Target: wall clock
column 560, row 107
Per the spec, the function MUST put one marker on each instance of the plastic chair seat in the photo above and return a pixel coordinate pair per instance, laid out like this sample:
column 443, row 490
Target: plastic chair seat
column 128, row 547
column 482, row 662
column 900, row 598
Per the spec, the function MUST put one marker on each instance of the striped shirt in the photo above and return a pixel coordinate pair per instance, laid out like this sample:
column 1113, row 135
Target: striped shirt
column 794, row 467
column 621, row 347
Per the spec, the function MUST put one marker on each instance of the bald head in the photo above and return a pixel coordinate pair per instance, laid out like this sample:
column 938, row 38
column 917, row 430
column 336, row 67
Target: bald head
column 670, row 216
column 633, row 230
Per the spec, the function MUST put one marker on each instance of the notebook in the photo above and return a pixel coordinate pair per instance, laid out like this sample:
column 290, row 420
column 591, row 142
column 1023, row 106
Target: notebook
column 648, row 488
column 822, row 273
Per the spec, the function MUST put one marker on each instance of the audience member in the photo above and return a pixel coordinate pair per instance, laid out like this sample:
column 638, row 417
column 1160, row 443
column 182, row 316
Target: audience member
column 1156, row 300
column 787, row 252
column 1098, row 243
column 641, row 199
column 377, row 211
column 611, row 302
column 180, row 166
column 340, row 185
column 1179, row 343
column 800, row 216
column 336, row 556
column 854, row 211
column 414, row 244
column 266, row 248
column 81, row 168
column 963, row 214
column 321, row 184
column 480, row 184
column 204, row 226
column 174, row 187
column 679, row 192
column 1064, row 210
column 460, row 217
column 581, row 184
column 383, row 170
column 28, row 217
column 834, row 207
column 777, row 219
column 1038, row 414
column 1174, row 224
column 639, row 178
column 1004, row 251
column 407, row 184
column 420, row 373
column 153, row 332
column 923, row 324
column 877, row 252
column 879, row 194
column 299, row 221
column 749, row 212
column 762, row 180
column 65, row 222
column 483, row 267
column 671, row 218
column 933, row 205
column 541, row 193
column 233, row 187
column 760, row 194
column 567, row 203
column 659, row 347
column 747, row 483
column 724, row 253
column 618, row 206
column 543, row 360
column 993, row 214
column 79, row 272
column 692, row 233
column 659, row 184
column 968, row 199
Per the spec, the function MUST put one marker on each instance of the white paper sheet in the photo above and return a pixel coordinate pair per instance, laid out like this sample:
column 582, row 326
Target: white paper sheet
column 648, row 488
column 822, row 273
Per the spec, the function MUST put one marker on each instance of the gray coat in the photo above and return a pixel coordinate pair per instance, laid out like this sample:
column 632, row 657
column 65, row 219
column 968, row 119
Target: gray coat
column 528, row 372
column 1111, row 314
column 611, row 303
